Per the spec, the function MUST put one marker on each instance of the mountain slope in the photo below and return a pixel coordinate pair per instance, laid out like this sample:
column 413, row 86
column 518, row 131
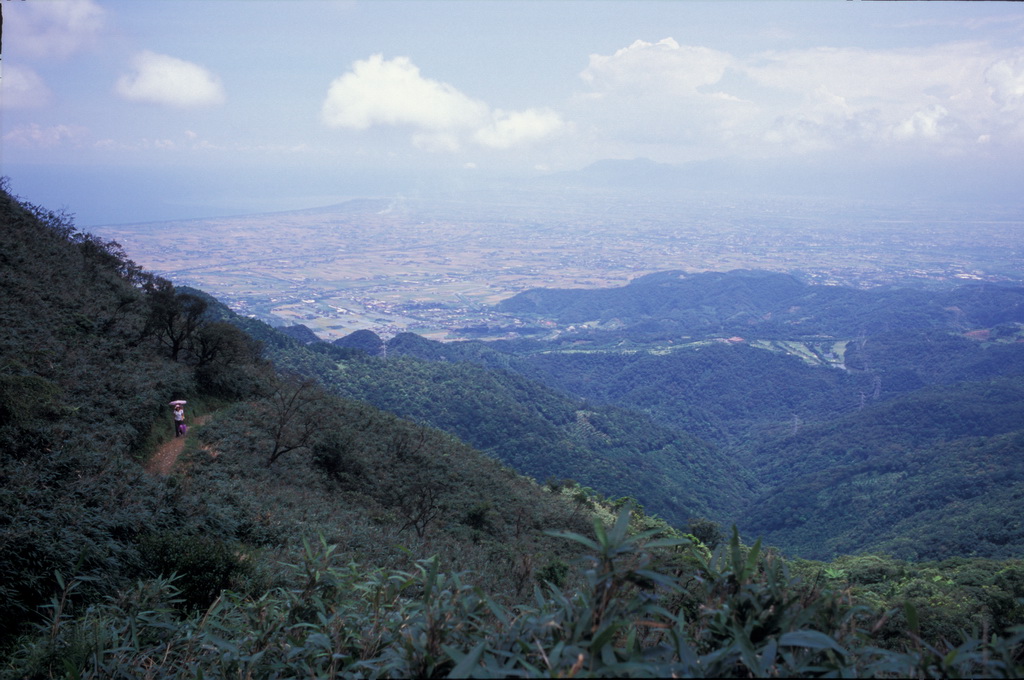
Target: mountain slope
column 930, row 475
column 536, row 430
column 306, row 535
column 770, row 305
column 92, row 349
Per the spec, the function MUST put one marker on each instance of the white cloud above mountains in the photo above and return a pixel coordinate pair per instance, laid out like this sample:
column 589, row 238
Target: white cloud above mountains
column 169, row 81
column 703, row 95
column 693, row 101
column 677, row 102
column 380, row 92
column 392, row 92
column 804, row 100
column 512, row 128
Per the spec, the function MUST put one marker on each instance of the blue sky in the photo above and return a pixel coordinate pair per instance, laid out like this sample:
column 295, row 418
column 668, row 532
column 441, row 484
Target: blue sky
column 140, row 110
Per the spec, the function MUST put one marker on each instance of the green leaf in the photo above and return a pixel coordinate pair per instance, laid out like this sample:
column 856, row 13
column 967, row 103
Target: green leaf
column 465, row 666
column 431, row 578
column 575, row 537
column 767, row 657
column 752, row 558
column 664, row 580
column 319, row 640
column 604, row 637
column 811, row 639
column 667, row 542
column 734, row 552
column 621, row 526
column 602, row 536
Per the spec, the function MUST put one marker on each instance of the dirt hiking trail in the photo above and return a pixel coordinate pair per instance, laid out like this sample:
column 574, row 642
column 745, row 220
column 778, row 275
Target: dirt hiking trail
column 163, row 460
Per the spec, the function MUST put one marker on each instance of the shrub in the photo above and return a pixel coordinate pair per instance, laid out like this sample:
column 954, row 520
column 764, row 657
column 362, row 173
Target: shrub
column 202, row 566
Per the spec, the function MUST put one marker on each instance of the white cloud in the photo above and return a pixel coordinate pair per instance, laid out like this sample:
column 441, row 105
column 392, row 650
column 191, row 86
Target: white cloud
column 23, row 89
column 1005, row 80
column 52, row 29
column 665, row 65
column 704, row 102
column 39, row 137
column 169, row 81
column 379, row 92
column 518, row 127
column 934, row 94
column 660, row 94
column 436, row 141
column 924, row 124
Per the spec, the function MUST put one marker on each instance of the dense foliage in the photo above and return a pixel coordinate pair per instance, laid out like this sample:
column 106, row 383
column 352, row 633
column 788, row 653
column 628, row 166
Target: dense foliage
column 547, row 434
column 91, row 351
column 304, row 532
column 903, row 441
column 769, row 304
column 648, row 606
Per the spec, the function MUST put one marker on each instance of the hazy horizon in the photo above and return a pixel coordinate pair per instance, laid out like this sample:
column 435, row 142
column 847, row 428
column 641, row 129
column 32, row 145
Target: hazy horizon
column 125, row 111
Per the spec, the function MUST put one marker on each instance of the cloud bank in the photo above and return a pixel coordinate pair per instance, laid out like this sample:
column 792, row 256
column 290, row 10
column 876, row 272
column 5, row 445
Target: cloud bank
column 46, row 137
column 379, row 92
column 944, row 97
column 169, row 81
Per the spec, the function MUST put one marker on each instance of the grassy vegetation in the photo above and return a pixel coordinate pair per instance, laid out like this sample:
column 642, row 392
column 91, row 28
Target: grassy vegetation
column 306, row 534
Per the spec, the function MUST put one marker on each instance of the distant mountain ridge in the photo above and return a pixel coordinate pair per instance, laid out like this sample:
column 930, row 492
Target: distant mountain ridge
column 769, row 304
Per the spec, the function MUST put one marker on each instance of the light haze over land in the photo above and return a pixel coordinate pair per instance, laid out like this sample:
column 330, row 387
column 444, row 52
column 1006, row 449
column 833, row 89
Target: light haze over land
column 129, row 111
column 405, row 165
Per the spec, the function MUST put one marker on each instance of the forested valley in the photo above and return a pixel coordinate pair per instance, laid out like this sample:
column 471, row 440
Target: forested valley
column 717, row 475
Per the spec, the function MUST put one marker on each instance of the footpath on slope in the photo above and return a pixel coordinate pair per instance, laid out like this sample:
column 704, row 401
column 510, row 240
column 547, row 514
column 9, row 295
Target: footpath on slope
column 166, row 455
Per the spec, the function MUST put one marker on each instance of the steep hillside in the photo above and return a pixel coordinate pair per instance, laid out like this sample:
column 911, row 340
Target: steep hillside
column 547, row 434
column 538, row 431
column 302, row 534
column 92, row 349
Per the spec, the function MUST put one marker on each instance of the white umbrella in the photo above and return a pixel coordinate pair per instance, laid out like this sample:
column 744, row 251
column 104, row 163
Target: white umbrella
column 179, row 401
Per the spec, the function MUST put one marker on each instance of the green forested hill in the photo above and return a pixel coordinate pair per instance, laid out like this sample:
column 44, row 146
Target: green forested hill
column 540, row 432
column 302, row 533
column 547, row 434
column 933, row 474
column 855, row 443
column 92, row 349
column 727, row 394
column 770, row 305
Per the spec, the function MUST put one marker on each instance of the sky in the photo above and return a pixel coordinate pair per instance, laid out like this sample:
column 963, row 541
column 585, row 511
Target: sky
column 142, row 110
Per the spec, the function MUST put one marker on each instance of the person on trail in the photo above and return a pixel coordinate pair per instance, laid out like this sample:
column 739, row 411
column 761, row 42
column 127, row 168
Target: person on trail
column 179, row 420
